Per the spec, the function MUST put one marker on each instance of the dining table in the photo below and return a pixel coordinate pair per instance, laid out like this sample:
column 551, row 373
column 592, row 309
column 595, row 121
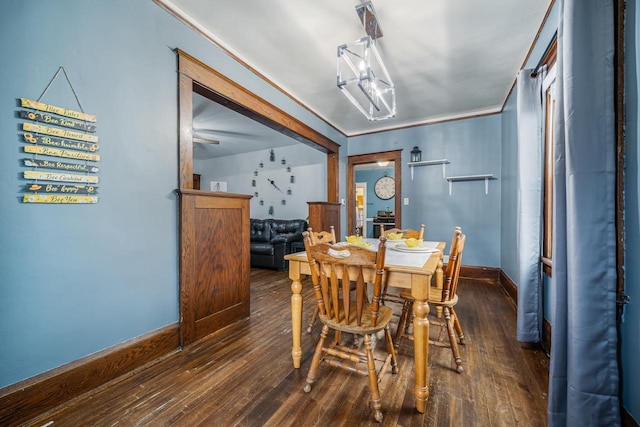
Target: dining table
column 404, row 268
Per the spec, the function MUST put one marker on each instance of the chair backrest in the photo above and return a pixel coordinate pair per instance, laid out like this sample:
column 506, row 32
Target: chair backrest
column 322, row 236
column 406, row 232
column 333, row 268
column 452, row 272
column 456, row 231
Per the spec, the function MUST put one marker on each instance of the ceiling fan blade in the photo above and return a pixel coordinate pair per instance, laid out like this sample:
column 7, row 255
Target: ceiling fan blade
column 205, row 140
column 229, row 133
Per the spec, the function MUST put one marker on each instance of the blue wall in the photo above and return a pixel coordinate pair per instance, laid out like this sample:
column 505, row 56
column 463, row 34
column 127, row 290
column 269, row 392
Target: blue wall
column 308, row 165
column 509, row 156
column 78, row 279
column 472, row 147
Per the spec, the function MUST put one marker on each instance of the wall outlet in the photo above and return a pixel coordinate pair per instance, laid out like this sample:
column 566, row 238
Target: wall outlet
column 343, row 202
column 406, row 201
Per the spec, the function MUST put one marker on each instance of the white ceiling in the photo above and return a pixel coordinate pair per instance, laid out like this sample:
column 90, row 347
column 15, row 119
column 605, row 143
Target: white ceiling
column 229, row 132
column 447, row 58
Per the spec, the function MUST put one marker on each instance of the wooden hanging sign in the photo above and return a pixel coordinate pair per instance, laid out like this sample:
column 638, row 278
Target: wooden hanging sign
column 57, row 152
column 62, row 133
column 58, row 121
column 60, row 198
column 61, row 188
column 62, row 143
column 28, row 103
column 57, row 176
column 48, row 164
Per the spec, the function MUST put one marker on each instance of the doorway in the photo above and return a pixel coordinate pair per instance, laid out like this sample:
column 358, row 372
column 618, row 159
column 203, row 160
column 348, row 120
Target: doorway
column 372, row 159
column 194, row 76
column 361, row 209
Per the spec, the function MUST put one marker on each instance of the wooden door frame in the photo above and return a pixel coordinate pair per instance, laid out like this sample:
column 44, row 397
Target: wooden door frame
column 360, row 159
column 195, row 76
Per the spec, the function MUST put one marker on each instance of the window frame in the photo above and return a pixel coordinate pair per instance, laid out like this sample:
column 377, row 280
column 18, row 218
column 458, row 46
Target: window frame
column 548, row 90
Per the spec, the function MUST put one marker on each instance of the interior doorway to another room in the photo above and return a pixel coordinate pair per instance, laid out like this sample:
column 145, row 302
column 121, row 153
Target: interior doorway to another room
column 361, row 209
column 389, row 199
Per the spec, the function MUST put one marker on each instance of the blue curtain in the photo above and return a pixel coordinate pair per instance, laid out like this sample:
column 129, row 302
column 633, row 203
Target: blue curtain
column 583, row 377
column 529, row 116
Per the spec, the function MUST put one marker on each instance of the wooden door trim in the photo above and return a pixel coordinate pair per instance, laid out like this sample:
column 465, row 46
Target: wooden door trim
column 199, row 77
column 359, row 159
column 195, row 76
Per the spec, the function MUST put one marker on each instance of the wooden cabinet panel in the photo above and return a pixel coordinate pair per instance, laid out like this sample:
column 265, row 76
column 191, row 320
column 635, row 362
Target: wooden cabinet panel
column 322, row 215
column 214, row 262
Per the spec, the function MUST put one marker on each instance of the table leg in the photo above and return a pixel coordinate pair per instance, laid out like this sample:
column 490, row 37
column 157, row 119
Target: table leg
column 421, row 352
column 296, row 312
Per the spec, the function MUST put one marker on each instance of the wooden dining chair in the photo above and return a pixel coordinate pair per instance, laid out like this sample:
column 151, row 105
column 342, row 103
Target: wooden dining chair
column 445, row 259
column 332, row 269
column 407, row 233
column 315, row 238
column 323, row 236
column 445, row 298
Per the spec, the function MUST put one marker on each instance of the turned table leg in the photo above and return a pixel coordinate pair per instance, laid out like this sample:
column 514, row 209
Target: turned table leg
column 296, row 312
column 421, row 352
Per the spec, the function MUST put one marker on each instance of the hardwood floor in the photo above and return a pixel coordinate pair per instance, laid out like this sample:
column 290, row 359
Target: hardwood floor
column 243, row 375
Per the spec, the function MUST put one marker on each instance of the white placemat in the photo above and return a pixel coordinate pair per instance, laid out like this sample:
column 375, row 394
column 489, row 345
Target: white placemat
column 409, row 259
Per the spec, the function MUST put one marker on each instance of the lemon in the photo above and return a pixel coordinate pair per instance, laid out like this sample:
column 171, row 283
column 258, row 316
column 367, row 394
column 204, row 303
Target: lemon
column 412, row 243
column 354, row 240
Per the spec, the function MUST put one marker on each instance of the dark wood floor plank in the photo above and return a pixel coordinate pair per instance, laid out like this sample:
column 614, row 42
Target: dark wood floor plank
column 243, row 375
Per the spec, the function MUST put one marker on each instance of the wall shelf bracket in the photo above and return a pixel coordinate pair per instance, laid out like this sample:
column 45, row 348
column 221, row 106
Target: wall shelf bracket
column 442, row 162
column 485, row 177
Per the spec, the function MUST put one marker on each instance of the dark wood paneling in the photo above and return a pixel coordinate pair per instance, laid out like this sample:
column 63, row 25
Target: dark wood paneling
column 215, row 261
column 546, row 336
column 322, row 215
column 185, row 121
column 474, row 272
column 187, row 270
column 333, row 177
column 27, row 399
column 509, row 286
column 627, row 419
column 219, row 253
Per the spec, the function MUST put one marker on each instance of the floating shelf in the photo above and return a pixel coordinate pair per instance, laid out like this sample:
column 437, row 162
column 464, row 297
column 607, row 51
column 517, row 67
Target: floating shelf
column 442, row 162
column 485, row 177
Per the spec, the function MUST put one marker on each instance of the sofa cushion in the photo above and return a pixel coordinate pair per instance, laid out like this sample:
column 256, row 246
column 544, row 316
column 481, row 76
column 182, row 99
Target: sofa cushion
column 262, row 248
column 293, row 227
column 260, row 230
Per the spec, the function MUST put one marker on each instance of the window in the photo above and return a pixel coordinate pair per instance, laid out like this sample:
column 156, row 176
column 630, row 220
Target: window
column 549, row 91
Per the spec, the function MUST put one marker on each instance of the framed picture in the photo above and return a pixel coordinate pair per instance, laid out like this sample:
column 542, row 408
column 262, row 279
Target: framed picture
column 218, row 185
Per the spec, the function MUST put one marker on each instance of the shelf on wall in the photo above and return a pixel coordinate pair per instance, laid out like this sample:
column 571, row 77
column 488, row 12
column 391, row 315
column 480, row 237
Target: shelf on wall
column 485, row 177
column 442, row 162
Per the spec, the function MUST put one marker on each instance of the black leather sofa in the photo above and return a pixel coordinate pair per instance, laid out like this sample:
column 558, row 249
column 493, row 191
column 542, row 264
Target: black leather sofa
column 271, row 240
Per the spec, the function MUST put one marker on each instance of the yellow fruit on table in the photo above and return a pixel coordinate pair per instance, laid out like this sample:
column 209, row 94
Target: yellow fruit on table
column 394, row 236
column 412, row 243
